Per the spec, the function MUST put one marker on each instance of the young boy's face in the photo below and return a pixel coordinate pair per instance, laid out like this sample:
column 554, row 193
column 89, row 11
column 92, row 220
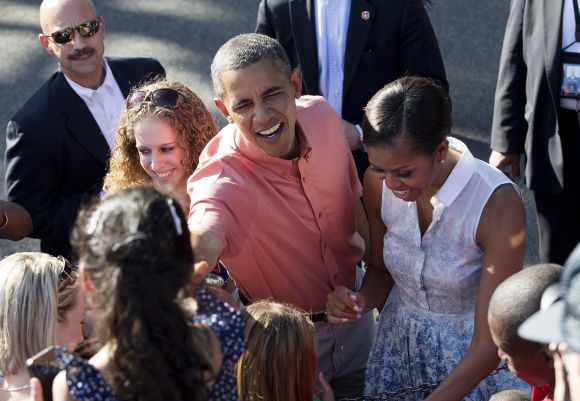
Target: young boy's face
column 525, row 359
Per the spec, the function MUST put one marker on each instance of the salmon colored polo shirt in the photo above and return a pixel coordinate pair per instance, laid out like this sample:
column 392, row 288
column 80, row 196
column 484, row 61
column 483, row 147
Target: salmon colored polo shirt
column 288, row 225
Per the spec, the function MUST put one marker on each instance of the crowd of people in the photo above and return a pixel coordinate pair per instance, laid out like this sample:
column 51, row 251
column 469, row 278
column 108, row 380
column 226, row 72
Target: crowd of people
column 332, row 241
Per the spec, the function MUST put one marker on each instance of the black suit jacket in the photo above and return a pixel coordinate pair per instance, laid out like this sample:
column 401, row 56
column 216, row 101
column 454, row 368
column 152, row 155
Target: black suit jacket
column 56, row 155
column 396, row 40
column 527, row 97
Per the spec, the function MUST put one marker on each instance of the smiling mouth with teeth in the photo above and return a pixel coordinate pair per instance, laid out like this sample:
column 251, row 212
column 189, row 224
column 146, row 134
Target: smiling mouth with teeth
column 163, row 175
column 401, row 194
column 270, row 132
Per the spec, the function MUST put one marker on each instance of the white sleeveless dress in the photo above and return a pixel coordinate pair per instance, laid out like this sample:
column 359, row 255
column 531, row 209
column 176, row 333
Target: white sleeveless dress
column 427, row 322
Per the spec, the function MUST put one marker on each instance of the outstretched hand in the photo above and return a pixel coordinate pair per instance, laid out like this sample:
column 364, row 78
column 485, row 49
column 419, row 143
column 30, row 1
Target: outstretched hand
column 344, row 305
column 200, row 270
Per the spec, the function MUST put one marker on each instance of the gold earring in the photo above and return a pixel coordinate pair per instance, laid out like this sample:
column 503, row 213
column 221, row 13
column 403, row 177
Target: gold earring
column 230, row 119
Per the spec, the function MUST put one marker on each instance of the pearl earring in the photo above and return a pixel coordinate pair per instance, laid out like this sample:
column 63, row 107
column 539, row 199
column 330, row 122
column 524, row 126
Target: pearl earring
column 442, row 161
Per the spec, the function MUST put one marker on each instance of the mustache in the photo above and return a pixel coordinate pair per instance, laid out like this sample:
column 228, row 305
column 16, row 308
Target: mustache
column 87, row 51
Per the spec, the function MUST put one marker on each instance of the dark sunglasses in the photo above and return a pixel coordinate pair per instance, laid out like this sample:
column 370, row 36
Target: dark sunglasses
column 86, row 30
column 66, row 275
column 164, row 97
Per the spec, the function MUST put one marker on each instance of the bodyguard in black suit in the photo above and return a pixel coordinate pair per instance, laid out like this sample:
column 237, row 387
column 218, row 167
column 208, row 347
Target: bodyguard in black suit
column 533, row 116
column 56, row 154
column 385, row 41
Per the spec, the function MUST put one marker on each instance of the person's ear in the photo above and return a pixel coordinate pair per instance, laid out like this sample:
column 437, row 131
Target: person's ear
column 102, row 26
column 45, row 43
column 441, row 151
column 296, row 79
column 222, row 108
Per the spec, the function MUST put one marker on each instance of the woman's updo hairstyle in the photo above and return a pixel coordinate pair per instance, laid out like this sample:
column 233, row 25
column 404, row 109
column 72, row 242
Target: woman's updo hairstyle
column 412, row 109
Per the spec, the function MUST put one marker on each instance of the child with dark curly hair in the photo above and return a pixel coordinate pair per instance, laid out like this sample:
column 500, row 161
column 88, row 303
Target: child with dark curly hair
column 158, row 343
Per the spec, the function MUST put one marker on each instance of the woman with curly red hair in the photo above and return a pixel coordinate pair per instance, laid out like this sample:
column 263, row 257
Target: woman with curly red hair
column 162, row 130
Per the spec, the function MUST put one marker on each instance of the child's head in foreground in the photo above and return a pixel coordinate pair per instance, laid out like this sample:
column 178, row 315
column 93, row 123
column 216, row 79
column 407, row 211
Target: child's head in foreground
column 280, row 361
column 513, row 301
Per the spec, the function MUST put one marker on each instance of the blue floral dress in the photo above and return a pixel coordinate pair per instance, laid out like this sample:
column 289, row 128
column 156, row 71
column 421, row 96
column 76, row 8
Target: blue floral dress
column 427, row 323
column 86, row 383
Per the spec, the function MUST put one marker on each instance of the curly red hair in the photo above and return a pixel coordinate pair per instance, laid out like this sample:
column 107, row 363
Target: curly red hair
column 190, row 118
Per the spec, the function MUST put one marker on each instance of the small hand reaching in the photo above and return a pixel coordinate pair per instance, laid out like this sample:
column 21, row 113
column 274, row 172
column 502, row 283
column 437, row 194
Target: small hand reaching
column 344, row 305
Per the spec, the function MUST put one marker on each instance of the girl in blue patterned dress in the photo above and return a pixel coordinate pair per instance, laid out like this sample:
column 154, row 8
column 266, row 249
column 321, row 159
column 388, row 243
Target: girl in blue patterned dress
column 445, row 230
column 136, row 263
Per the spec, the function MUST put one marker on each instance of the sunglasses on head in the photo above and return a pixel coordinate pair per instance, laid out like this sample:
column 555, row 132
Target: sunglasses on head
column 66, row 276
column 164, row 97
column 65, row 35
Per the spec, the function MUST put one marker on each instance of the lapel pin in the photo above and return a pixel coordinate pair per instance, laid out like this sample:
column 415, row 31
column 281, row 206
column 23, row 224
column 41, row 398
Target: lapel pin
column 365, row 15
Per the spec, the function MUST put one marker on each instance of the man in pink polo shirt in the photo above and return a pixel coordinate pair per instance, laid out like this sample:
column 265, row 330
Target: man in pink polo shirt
column 277, row 198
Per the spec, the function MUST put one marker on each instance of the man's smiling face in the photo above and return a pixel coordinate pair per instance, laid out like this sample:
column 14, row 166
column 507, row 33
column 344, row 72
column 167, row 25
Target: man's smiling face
column 260, row 99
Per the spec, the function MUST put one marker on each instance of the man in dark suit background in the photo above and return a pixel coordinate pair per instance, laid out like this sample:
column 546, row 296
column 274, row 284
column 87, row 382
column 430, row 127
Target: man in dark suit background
column 533, row 115
column 348, row 50
column 57, row 144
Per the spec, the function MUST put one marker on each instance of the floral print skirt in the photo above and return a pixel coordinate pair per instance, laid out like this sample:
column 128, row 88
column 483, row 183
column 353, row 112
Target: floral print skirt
column 414, row 346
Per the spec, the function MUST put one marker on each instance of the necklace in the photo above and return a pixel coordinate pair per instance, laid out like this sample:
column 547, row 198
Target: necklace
column 21, row 388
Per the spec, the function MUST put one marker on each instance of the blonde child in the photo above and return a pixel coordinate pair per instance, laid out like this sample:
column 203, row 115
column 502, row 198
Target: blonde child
column 279, row 363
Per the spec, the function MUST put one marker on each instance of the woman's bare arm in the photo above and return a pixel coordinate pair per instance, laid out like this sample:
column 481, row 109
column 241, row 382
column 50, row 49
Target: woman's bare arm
column 501, row 233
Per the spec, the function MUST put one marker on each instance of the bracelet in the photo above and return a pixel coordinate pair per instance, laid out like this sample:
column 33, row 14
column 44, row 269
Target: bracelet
column 5, row 221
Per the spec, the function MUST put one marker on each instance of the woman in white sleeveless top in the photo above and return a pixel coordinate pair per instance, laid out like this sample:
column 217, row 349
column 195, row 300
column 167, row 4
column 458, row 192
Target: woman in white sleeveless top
column 445, row 230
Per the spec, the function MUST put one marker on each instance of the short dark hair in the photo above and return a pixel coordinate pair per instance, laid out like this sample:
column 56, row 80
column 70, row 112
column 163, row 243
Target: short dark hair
column 244, row 50
column 519, row 297
column 415, row 109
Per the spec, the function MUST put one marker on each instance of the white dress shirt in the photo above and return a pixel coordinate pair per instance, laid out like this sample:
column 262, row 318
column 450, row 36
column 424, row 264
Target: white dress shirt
column 331, row 21
column 105, row 103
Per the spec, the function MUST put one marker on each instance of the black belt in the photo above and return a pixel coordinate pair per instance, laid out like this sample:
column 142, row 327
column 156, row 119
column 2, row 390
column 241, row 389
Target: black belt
column 314, row 317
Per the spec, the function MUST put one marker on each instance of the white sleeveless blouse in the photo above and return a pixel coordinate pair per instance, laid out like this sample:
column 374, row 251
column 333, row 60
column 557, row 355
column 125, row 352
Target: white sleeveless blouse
column 426, row 324
column 440, row 272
